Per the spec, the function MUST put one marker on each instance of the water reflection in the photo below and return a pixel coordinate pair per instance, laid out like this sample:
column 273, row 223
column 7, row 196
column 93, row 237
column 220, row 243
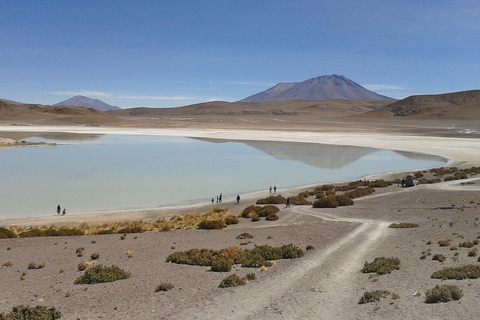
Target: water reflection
column 115, row 172
column 49, row 136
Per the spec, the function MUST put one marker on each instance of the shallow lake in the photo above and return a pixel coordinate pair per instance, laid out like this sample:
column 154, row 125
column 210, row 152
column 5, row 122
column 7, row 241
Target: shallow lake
column 90, row 173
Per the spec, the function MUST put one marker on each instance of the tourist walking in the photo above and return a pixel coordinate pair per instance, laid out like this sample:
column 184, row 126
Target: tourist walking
column 274, row 189
column 288, row 203
column 238, row 198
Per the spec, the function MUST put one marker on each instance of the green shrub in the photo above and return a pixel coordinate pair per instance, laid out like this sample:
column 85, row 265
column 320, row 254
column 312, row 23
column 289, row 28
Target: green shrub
column 244, row 236
column 466, row 244
column 379, row 184
column 381, row 265
column 5, row 233
column 230, row 219
column 439, row 257
column 101, row 274
column 164, row 287
column 22, row 312
column 360, row 192
column 232, row 281
column 255, row 218
column 373, row 296
column 443, row 293
column 251, row 276
column 343, row 200
column 271, row 217
column 211, row 224
column 459, row 273
column 260, row 211
column 403, row 225
column 328, row 202
column 131, row 229
column 221, row 265
column 278, row 199
column 444, row 243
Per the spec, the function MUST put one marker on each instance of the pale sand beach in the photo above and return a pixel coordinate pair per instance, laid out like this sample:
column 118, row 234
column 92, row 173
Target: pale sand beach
column 324, row 284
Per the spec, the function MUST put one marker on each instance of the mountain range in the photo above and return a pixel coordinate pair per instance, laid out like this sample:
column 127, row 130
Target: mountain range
column 330, row 87
column 81, row 101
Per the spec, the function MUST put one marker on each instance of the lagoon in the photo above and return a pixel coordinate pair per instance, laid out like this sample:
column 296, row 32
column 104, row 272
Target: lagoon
column 95, row 173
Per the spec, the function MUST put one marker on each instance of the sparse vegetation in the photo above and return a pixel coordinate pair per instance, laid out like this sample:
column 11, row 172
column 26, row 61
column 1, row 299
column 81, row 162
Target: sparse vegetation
column 439, row 257
column 373, row 296
column 403, row 225
column 278, row 199
column 233, row 280
column 22, row 312
column 465, row 272
column 382, row 265
column 244, row 235
column 222, row 260
column 101, row 274
column 33, row 265
column 164, row 287
column 95, row 256
column 259, row 211
column 443, row 293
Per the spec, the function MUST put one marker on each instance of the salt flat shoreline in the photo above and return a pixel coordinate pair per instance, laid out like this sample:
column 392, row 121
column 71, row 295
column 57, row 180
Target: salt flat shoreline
column 455, row 151
column 327, row 282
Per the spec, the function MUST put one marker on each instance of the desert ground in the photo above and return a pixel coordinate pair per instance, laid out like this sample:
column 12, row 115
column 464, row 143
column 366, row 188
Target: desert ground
column 326, row 283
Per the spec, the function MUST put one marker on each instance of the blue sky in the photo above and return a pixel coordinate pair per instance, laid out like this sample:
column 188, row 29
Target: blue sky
column 175, row 53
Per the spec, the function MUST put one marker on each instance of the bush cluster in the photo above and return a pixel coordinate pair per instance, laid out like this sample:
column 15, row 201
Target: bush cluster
column 259, row 211
column 278, row 199
column 211, row 224
column 52, row 232
column 379, row 183
column 381, row 265
column 403, row 225
column 244, row 235
column 5, row 233
column 373, row 296
column 22, row 312
column 329, row 201
column 459, row 273
column 233, row 280
column 101, row 274
column 164, row 287
column 223, row 260
column 360, row 192
column 443, row 293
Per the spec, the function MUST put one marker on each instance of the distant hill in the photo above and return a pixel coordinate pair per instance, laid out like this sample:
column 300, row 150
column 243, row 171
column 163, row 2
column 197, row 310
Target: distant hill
column 12, row 102
column 456, row 105
column 321, row 88
column 48, row 115
column 81, row 101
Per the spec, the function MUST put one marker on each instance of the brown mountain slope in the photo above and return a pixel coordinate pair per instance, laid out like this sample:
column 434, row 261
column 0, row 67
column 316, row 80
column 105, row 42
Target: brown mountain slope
column 252, row 110
column 456, row 105
column 41, row 114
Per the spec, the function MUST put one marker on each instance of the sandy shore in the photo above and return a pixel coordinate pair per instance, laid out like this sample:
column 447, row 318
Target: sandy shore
column 325, row 284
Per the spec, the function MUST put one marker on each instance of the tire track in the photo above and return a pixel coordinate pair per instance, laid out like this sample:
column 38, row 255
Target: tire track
column 319, row 284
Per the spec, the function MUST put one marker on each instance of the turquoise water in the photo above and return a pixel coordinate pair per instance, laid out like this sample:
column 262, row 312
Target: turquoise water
column 120, row 172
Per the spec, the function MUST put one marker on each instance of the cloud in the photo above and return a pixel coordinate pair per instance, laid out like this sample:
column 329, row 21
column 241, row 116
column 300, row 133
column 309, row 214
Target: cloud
column 255, row 84
column 95, row 94
column 161, row 98
column 382, row 87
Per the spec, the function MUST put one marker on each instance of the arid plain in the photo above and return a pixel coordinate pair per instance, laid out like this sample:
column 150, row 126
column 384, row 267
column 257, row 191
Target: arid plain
column 326, row 283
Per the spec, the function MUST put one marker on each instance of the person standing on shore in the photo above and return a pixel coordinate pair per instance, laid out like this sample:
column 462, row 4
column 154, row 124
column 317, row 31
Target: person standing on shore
column 288, row 203
column 64, row 211
column 238, row 198
column 58, row 209
column 274, row 189
column 270, row 189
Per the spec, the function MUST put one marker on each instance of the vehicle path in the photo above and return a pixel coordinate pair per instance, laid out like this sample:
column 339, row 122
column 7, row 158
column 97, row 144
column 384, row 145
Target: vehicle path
column 319, row 285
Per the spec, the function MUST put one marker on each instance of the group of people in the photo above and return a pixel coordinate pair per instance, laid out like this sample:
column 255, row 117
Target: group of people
column 219, row 199
column 274, row 189
column 59, row 211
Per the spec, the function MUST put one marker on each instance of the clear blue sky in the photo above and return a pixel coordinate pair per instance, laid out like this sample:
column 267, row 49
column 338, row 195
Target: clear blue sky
column 173, row 53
